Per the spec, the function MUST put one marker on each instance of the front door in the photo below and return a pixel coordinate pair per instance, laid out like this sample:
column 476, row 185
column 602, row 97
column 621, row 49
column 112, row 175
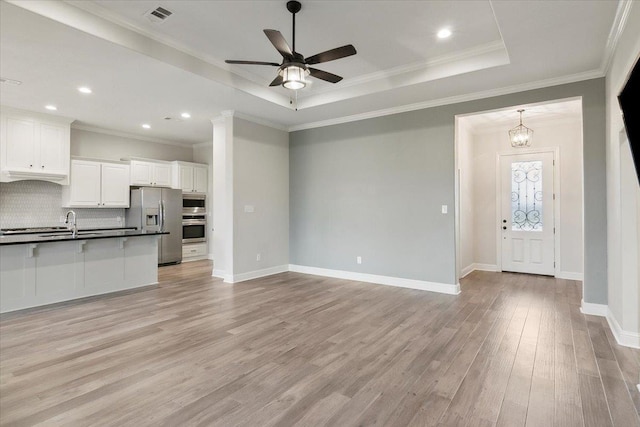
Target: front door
column 527, row 213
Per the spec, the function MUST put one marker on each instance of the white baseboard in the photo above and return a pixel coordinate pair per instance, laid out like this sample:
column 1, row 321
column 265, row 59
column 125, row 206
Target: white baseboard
column 222, row 275
column 485, row 267
column 380, row 280
column 210, row 256
column 594, row 309
column 569, row 275
column 466, row 271
column 625, row 338
column 477, row 266
column 258, row 273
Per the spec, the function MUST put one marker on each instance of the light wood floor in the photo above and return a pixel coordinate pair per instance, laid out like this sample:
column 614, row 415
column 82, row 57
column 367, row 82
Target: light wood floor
column 293, row 349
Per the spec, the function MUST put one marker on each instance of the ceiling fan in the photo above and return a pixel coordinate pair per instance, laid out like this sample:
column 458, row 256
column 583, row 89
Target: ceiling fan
column 295, row 67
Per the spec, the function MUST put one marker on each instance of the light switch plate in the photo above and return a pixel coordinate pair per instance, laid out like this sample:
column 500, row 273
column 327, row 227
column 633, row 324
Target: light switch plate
column 444, row 209
column 249, row 209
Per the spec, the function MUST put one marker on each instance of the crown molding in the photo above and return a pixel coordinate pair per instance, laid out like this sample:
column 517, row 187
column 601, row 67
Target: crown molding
column 475, row 59
column 123, row 134
column 587, row 75
column 474, row 52
column 260, row 121
column 617, row 28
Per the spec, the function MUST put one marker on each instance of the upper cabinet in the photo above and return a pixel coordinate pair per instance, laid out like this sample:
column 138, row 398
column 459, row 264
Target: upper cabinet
column 151, row 173
column 96, row 184
column 34, row 146
column 190, row 177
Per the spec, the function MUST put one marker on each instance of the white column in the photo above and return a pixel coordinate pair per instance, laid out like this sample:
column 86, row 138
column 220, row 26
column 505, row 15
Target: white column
column 223, row 196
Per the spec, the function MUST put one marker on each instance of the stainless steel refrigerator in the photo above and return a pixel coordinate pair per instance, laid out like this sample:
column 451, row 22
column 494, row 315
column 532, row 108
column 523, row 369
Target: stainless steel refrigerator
column 159, row 209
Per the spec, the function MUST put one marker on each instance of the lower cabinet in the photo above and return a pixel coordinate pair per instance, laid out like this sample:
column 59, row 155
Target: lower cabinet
column 194, row 251
column 97, row 185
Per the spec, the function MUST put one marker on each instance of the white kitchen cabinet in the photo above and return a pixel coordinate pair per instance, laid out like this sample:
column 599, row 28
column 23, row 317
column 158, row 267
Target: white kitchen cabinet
column 190, row 177
column 194, row 252
column 200, row 179
column 157, row 174
column 34, row 146
column 97, row 185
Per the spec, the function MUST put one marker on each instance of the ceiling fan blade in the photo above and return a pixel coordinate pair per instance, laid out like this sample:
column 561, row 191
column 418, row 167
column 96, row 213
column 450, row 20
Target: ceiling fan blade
column 279, row 42
column 277, row 81
column 323, row 75
column 233, row 61
column 330, row 55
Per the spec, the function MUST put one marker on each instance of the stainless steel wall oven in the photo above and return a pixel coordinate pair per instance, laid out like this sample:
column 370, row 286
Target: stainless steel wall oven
column 194, row 203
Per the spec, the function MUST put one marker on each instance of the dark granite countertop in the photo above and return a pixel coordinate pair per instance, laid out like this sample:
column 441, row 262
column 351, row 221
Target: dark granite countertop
column 87, row 234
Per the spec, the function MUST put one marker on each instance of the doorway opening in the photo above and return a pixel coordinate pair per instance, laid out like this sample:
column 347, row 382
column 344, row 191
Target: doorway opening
column 521, row 209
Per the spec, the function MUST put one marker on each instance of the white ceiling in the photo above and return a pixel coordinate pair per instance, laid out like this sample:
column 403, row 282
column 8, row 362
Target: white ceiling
column 536, row 114
column 142, row 72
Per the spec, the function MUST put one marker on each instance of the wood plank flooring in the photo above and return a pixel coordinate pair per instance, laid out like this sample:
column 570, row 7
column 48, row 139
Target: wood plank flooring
column 293, row 349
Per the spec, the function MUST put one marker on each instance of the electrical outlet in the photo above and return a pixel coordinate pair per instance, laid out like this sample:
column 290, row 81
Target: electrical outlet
column 359, row 259
column 119, row 220
column 258, row 257
column 62, row 219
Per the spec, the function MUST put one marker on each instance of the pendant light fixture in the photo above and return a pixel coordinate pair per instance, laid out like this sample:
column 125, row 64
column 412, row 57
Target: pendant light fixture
column 520, row 136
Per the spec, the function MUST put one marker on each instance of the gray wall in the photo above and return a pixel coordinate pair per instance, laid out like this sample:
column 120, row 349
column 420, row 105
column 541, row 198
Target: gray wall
column 374, row 188
column 261, row 180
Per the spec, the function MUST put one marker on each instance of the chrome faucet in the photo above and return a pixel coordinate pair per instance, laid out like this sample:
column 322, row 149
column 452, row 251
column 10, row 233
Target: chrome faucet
column 72, row 226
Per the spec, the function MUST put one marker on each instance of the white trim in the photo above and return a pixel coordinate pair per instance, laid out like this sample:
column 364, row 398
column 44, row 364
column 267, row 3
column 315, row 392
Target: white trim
column 122, row 134
column 624, row 338
column 478, row 267
column 210, row 256
column 258, row 273
column 485, row 267
column 587, row 75
column 221, row 274
column 570, row 275
column 456, row 57
column 619, row 23
column 443, row 288
column 594, row 309
column 259, row 121
column 466, row 271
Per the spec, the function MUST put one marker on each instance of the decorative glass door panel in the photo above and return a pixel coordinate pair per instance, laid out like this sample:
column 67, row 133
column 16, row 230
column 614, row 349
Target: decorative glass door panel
column 526, row 217
column 526, row 196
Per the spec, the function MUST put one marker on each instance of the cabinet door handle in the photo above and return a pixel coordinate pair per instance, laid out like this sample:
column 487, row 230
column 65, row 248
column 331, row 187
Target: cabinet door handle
column 30, row 166
column 42, row 166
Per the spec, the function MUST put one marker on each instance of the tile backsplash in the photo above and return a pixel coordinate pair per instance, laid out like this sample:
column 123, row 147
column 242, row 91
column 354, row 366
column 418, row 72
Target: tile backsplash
column 39, row 203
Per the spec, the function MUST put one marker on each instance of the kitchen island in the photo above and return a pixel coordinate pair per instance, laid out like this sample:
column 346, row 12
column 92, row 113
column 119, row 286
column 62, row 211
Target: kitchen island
column 40, row 269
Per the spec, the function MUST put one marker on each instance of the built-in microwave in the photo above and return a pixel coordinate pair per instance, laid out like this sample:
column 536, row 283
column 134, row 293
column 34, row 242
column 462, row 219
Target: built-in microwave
column 194, row 203
column 194, row 228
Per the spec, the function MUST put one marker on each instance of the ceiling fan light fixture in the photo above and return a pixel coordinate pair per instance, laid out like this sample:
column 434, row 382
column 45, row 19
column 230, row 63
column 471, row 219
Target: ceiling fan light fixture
column 521, row 136
column 294, row 77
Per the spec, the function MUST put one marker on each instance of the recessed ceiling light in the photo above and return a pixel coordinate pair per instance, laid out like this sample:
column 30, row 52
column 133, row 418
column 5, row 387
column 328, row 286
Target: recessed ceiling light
column 186, row 115
column 51, row 107
column 146, row 126
column 84, row 89
column 444, row 33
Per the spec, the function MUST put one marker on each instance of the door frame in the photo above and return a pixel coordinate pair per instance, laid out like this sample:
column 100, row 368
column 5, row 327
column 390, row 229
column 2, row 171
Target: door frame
column 556, row 202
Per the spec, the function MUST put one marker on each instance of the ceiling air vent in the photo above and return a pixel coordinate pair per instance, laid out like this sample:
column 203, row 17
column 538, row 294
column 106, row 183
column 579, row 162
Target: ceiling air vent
column 158, row 15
